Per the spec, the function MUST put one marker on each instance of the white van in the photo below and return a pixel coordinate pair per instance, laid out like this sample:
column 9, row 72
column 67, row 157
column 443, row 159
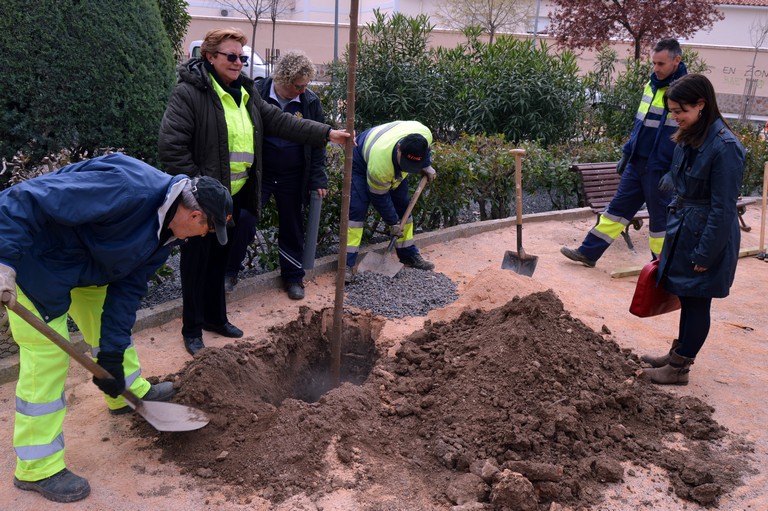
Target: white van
column 255, row 61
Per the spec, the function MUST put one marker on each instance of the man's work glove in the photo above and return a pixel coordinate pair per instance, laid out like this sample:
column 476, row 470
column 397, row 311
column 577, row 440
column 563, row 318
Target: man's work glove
column 396, row 231
column 666, row 184
column 622, row 164
column 430, row 173
column 113, row 363
column 7, row 285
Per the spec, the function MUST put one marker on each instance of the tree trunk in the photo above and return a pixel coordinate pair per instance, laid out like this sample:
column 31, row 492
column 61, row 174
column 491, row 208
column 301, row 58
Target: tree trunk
column 253, row 43
column 271, row 60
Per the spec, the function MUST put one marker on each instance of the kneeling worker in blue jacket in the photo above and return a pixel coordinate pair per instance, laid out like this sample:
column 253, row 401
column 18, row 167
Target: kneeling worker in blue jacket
column 84, row 241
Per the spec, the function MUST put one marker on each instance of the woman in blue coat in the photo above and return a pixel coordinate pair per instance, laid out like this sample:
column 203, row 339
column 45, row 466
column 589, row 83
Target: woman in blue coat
column 701, row 247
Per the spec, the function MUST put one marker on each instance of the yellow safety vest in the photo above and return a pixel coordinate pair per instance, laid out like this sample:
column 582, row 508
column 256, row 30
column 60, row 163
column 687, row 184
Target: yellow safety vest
column 377, row 153
column 239, row 135
column 652, row 108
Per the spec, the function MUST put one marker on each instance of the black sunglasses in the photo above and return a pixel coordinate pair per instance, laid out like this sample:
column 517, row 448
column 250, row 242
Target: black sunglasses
column 232, row 57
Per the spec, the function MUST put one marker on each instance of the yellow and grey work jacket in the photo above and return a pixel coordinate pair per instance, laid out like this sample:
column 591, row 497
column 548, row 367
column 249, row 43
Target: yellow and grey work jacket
column 378, row 146
column 239, row 135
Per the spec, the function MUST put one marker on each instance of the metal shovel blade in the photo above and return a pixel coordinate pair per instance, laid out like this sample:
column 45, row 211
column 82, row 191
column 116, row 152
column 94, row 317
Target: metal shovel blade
column 163, row 416
column 524, row 266
column 171, row 416
column 382, row 263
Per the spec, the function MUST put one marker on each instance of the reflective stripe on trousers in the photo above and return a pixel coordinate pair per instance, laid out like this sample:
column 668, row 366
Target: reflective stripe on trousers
column 43, row 367
column 637, row 186
column 358, row 212
column 609, row 228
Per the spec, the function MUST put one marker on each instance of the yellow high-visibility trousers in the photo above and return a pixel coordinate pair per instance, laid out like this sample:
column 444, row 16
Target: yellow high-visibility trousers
column 43, row 366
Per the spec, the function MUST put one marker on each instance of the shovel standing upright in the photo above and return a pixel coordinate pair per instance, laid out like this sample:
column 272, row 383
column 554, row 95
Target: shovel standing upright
column 761, row 254
column 522, row 263
column 382, row 262
column 162, row 416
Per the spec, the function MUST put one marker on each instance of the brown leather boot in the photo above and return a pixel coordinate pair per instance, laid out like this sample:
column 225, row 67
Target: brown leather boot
column 663, row 359
column 674, row 373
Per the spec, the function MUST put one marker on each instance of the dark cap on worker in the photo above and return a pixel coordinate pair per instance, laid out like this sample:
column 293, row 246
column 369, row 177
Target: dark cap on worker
column 413, row 152
column 216, row 202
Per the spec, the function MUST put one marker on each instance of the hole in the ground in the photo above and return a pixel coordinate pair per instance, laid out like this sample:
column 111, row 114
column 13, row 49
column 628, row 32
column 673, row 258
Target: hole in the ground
column 294, row 364
column 358, row 356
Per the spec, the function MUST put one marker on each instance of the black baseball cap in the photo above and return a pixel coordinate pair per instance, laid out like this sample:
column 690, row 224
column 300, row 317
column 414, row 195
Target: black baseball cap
column 414, row 149
column 216, row 202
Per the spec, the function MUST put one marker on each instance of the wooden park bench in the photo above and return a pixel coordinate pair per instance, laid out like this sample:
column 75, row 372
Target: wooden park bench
column 598, row 185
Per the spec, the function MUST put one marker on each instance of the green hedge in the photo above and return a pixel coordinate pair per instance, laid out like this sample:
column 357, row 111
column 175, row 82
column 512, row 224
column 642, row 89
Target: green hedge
column 82, row 75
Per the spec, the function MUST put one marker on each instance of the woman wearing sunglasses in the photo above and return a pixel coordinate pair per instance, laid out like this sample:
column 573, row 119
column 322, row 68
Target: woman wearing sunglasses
column 214, row 125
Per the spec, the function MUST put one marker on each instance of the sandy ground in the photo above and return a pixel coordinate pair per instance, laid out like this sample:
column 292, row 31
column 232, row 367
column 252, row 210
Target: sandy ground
column 730, row 373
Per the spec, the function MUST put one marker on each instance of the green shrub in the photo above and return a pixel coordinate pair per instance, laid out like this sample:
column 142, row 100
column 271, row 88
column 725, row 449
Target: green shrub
column 510, row 88
column 175, row 18
column 330, row 214
column 492, row 174
column 82, row 75
column 448, row 195
column 545, row 170
column 757, row 156
column 506, row 87
column 392, row 74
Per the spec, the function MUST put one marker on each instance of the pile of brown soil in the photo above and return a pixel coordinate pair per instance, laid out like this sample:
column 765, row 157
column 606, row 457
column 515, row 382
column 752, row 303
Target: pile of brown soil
column 462, row 409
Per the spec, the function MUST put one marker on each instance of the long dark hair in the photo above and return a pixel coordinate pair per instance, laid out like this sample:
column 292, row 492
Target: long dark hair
column 687, row 91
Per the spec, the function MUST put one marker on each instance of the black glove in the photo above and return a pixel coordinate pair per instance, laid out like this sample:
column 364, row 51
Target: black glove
column 622, row 164
column 666, row 183
column 113, row 363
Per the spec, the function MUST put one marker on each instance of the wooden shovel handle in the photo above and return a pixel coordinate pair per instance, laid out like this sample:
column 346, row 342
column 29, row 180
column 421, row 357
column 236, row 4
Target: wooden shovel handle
column 519, row 153
column 411, row 204
column 407, row 213
column 56, row 338
column 762, row 211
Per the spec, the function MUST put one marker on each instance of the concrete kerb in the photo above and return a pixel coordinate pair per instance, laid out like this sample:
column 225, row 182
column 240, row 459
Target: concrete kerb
column 163, row 313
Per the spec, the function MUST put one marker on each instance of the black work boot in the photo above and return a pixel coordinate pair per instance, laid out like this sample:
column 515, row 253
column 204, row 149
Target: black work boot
column 63, row 486
column 193, row 344
column 163, row 391
column 575, row 255
column 674, row 373
column 663, row 359
column 295, row 290
column 418, row 262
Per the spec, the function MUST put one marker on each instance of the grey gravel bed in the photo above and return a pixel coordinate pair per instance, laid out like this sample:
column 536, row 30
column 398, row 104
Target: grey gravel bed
column 409, row 293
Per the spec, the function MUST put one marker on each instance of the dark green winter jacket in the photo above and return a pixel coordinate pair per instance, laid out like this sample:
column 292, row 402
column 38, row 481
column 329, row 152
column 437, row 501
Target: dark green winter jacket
column 193, row 132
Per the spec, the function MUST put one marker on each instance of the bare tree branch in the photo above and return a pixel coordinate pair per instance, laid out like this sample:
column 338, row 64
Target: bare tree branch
column 252, row 10
column 491, row 15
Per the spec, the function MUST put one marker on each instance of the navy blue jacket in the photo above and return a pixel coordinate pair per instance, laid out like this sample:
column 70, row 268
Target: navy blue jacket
column 313, row 175
column 702, row 222
column 92, row 223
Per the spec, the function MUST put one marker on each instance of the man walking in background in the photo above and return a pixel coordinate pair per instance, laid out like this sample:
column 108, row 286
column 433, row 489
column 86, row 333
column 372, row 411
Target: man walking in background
column 646, row 158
